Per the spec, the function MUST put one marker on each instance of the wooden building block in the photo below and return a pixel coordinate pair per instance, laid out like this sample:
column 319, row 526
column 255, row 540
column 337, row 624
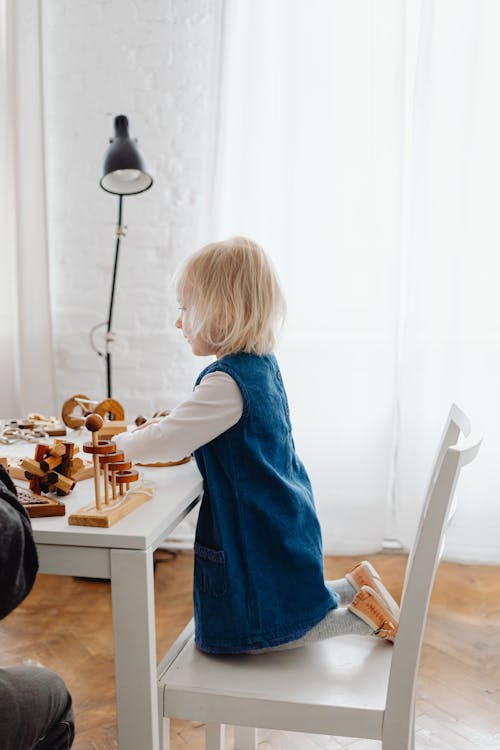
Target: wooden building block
column 64, row 484
column 112, row 427
column 58, row 448
column 41, row 451
column 50, row 462
column 33, row 467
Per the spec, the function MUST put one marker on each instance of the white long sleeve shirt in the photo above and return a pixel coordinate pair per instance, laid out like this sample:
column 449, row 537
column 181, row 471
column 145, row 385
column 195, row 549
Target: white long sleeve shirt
column 215, row 406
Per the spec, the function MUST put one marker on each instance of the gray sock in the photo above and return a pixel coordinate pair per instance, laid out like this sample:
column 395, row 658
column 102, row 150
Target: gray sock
column 340, row 621
column 343, row 588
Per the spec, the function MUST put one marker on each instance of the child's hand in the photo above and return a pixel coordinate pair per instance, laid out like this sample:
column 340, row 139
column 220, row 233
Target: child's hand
column 146, row 424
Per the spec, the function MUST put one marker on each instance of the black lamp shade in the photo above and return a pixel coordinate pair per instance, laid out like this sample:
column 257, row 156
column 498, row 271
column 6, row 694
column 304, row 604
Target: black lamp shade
column 124, row 169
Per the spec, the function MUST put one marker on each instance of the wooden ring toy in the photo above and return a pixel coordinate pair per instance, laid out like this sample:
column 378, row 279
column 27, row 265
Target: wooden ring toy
column 109, row 458
column 124, row 477
column 110, row 407
column 102, row 447
column 120, row 466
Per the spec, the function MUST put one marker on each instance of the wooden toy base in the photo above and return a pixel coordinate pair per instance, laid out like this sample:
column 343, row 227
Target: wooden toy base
column 110, row 514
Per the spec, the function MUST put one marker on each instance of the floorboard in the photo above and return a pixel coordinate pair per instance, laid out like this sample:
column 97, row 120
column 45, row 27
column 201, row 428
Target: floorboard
column 65, row 624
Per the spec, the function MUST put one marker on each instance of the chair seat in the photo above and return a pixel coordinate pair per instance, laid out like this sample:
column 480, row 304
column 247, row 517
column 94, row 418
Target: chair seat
column 340, row 685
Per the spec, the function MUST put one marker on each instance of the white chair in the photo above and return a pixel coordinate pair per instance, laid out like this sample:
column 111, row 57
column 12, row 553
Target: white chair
column 348, row 686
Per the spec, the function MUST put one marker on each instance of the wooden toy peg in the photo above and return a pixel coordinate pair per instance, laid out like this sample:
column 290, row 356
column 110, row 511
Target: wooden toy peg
column 93, row 423
column 105, row 462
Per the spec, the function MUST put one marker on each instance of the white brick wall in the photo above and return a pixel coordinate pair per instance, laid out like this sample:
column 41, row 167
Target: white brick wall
column 150, row 60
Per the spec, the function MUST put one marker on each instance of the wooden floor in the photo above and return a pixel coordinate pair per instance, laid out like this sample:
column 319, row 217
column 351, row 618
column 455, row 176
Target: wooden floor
column 66, row 625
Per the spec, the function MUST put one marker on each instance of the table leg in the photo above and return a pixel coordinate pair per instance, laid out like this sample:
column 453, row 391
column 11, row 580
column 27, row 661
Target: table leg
column 132, row 595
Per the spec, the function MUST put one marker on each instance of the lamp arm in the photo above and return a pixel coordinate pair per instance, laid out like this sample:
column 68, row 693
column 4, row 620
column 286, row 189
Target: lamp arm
column 109, row 336
column 119, row 234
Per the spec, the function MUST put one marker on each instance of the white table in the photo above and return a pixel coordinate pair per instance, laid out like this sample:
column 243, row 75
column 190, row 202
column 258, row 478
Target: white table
column 124, row 554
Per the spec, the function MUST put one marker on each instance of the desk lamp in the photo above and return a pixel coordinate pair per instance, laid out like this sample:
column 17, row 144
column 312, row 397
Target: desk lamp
column 124, row 173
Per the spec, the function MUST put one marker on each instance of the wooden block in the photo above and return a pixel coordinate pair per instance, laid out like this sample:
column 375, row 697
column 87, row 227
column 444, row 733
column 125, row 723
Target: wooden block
column 33, row 467
column 4, row 462
column 41, row 451
column 59, row 448
column 76, row 464
column 50, row 462
column 55, row 431
column 69, row 448
column 112, row 427
column 64, row 484
column 110, row 514
column 35, row 485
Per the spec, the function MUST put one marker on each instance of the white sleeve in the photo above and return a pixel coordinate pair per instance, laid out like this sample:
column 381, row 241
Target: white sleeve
column 215, row 406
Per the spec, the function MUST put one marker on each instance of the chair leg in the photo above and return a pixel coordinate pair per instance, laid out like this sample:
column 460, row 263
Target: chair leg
column 245, row 738
column 164, row 733
column 411, row 742
column 214, row 736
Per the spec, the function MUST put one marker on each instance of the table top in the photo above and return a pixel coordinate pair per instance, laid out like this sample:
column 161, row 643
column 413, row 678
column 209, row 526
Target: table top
column 176, row 490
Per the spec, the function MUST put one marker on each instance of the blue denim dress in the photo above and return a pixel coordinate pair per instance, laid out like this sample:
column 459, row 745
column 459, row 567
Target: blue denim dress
column 258, row 570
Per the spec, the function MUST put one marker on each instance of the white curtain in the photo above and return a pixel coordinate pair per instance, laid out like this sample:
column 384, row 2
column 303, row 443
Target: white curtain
column 357, row 142
column 26, row 355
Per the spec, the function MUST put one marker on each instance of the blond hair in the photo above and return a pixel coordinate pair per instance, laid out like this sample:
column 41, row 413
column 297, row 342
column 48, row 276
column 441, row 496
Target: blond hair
column 232, row 297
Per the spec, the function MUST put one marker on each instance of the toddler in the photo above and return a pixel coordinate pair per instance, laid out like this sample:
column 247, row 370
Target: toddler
column 258, row 570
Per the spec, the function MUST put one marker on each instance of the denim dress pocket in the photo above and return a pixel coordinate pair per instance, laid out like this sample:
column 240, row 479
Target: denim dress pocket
column 210, row 570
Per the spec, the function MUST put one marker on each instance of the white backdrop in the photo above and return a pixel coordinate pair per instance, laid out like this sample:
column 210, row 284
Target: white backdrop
column 27, row 369
column 358, row 143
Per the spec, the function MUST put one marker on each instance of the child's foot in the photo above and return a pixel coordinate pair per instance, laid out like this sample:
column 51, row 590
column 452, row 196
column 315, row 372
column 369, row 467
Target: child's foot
column 372, row 609
column 364, row 574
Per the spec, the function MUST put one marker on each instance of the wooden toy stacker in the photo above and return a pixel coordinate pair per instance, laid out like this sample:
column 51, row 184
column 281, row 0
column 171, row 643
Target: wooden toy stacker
column 119, row 500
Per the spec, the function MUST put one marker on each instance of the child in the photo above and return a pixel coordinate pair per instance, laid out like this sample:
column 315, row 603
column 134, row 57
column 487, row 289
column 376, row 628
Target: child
column 258, row 571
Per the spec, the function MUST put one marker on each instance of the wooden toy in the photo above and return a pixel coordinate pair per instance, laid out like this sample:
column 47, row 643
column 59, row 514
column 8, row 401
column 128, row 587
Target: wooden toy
column 38, row 506
column 112, row 427
column 50, row 425
column 32, row 429
column 55, row 468
column 114, row 499
column 78, row 407
column 80, row 468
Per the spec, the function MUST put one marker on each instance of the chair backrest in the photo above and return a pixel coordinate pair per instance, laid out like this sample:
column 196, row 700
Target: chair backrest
column 456, row 423
column 424, row 560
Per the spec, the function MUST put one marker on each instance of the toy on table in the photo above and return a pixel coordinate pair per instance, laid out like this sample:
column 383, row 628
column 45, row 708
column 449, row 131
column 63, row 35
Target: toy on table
column 78, row 407
column 55, row 468
column 60, row 479
column 113, row 497
column 50, row 425
column 30, row 430
column 38, row 506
